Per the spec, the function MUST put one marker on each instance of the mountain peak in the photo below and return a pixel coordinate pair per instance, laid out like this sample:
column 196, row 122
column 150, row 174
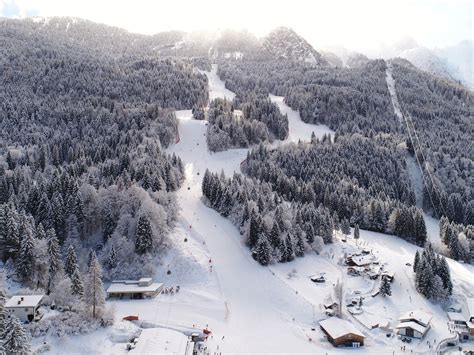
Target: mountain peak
column 284, row 42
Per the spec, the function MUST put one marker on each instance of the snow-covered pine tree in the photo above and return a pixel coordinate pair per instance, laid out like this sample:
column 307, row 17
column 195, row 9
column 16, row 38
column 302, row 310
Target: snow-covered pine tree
column 262, row 250
column 40, row 232
column 289, row 249
column 419, row 228
column 3, row 322
column 71, row 261
column 112, row 257
column 345, row 226
column 455, row 247
column 416, row 262
column 443, row 229
column 26, row 257
column 356, row 232
column 94, row 295
column 15, row 340
column 299, row 246
column 143, row 236
column 255, row 228
column 385, row 287
column 275, row 235
column 12, row 237
column 77, row 286
column 445, row 274
column 54, row 257
column 90, row 256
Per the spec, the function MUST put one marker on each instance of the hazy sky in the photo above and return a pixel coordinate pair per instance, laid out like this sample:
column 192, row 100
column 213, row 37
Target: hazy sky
column 354, row 24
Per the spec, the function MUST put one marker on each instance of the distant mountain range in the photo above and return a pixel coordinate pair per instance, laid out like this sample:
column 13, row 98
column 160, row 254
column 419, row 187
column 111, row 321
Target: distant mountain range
column 454, row 63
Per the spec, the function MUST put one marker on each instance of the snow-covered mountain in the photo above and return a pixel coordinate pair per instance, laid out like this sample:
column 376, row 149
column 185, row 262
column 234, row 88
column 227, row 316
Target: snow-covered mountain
column 284, row 42
column 425, row 59
column 460, row 61
column 453, row 63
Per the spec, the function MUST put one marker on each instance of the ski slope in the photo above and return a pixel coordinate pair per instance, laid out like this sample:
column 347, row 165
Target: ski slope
column 217, row 87
column 298, row 130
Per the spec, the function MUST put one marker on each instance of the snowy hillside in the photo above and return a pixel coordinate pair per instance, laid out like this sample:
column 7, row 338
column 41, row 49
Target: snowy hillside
column 245, row 304
column 454, row 62
column 283, row 42
column 427, row 60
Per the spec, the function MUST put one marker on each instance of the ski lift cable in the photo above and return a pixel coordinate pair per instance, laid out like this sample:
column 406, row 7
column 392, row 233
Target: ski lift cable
column 416, row 155
column 434, row 186
column 396, row 102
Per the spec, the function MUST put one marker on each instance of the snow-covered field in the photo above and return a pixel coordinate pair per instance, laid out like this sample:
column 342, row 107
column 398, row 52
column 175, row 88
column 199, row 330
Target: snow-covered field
column 255, row 309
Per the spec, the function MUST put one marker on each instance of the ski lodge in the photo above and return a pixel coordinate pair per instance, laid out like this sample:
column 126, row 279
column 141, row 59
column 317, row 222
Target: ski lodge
column 414, row 324
column 134, row 289
column 25, row 307
column 340, row 332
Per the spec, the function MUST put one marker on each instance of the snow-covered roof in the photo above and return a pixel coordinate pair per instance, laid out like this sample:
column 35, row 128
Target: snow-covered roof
column 337, row 327
column 162, row 341
column 362, row 259
column 413, row 325
column 418, row 316
column 470, row 307
column 456, row 316
column 20, row 301
column 133, row 287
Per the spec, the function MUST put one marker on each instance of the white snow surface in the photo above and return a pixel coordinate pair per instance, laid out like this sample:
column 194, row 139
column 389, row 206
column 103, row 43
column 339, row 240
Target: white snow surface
column 255, row 309
column 217, row 86
column 299, row 130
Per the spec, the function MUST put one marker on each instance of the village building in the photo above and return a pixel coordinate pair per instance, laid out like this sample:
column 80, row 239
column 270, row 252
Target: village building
column 464, row 320
column 341, row 332
column 360, row 260
column 26, row 307
column 134, row 289
column 162, row 341
column 414, row 324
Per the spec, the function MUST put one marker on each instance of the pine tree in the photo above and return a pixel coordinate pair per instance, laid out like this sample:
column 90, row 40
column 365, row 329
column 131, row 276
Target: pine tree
column 416, row 262
column 255, row 228
column 299, row 247
column 71, row 261
column 345, row 226
column 40, row 232
column 444, row 273
column 94, row 290
column 77, row 286
column 54, row 257
column 108, row 222
column 385, row 287
column 420, row 228
column 454, row 245
column 3, row 322
column 15, row 339
column 356, row 232
column 26, row 257
column 112, row 258
column 275, row 235
column 143, row 236
column 90, row 256
column 443, row 229
column 289, row 250
column 261, row 251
